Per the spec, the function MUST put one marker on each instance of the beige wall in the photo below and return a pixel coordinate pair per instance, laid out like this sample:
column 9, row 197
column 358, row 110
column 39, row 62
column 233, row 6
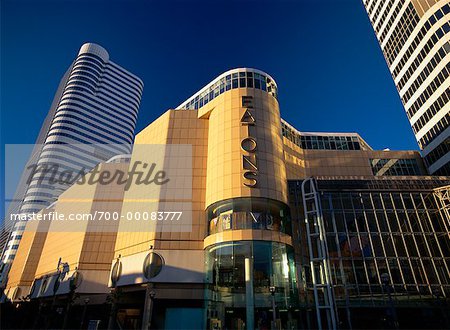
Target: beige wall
column 302, row 163
column 225, row 165
column 173, row 127
column 80, row 245
column 23, row 269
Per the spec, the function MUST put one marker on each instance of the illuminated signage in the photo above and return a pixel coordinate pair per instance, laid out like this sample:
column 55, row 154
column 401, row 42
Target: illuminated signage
column 249, row 145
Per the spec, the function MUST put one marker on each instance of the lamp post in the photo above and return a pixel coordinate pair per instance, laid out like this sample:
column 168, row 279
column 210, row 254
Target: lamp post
column 272, row 290
column 387, row 288
column 73, row 284
column 148, row 307
column 83, row 315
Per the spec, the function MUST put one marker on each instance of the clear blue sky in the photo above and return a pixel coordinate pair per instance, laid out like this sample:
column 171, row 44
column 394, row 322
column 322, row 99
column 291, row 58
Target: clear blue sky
column 323, row 55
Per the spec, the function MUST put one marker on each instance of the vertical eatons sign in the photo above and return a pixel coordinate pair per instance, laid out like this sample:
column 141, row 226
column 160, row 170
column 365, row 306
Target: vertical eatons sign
column 249, row 144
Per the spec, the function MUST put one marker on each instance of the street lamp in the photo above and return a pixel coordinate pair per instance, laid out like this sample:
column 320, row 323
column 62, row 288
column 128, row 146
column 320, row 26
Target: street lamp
column 83, row 315
column 152, row 295
column 272, row 290
column 148, row 307
column 386, row 286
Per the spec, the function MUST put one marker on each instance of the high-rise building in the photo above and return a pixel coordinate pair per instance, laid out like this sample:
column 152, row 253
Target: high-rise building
column 414, row 36
column 306, row 230
column 92, row 118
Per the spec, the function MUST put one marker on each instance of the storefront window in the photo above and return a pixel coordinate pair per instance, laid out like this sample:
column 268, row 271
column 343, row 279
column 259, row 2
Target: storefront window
column 228, row 278
column 249, row 213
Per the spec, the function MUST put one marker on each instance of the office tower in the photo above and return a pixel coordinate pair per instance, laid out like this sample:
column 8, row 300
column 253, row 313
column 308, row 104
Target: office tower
column 318, row 225
column 92, row 119
column 16, row 202
column 414, row 36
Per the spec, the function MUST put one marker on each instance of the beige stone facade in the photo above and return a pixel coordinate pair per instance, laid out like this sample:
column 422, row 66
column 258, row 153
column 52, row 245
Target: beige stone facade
column 242, row 155
column 216, row 132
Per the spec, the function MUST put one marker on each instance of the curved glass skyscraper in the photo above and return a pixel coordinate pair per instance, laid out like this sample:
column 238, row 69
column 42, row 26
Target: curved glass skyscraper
column 92, row 119
column 414, row 36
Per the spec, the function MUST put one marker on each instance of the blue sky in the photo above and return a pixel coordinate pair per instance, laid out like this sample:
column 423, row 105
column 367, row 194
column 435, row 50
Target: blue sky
column 323, row 55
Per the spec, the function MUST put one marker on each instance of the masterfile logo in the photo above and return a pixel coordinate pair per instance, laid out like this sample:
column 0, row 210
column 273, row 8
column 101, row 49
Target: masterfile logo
column 130, row 192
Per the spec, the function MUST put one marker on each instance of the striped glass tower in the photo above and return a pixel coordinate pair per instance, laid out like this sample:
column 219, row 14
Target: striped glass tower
column 92, row 119
column 414, row 36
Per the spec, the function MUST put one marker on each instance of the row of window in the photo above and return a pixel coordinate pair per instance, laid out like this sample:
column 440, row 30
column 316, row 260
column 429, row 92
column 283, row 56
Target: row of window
column 109, row 115
column 119, row 71
column 385, row 201
column 391, row 20
column 119, row 95
column 247, row 213
column 377, row 12
column 362, row 278
column 96, row 72
column 94, row 134
column 122, row 93
column 383, row 17
column 444, row 50
column 100, row 151
column 34, row 194
column 384, row 245
column 428, row 92
column 440, row 151
column 83, row 153
column 127, row 134
column 75, row 138
column 404, row 243
column 370, row 9
column 79, row 88
column 126, row 112
column 394, row 167
column 106, row 72
column 51, row 159
column 419, row 37
column 77, row 83
column 392, row 213
column 132, row 96
column 440, row 54
column 401, row 33
column 243, row 79
column 319, row 142
column 437, row 105
column 84, row 76
column 85, row 67
column 36, row 202
column 443, row 170
column 437, row 129
column 246, row 220
column 97, row 130
column 329, row 142
column 91, row 61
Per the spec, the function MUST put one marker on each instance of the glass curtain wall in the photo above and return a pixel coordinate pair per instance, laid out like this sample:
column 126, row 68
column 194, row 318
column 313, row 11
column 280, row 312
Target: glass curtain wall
column 227, row 278
column 384, row 237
